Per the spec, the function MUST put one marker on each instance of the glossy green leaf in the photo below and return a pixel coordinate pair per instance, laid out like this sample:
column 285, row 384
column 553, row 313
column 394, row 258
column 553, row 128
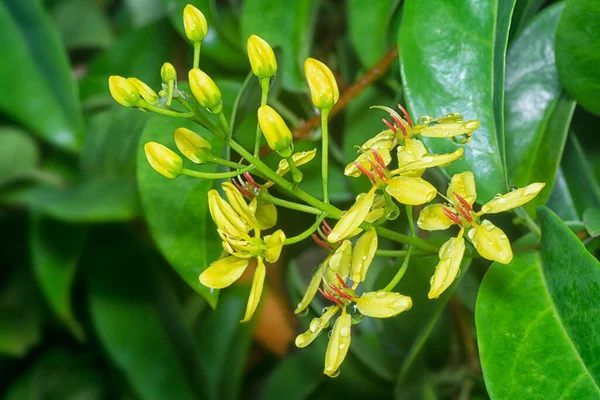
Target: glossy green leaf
column 284, row 24
column 55, row 248
column 537, row 320
column 177, row 210
column 591, row 219
column 577, row 58
column 35, row 75
column 139, row 53
column 82, row 25
column 537, row 111
column 456, row 64
column 19, row 155
column 144, row 12
column 367, row 29
column 524, row 11
column 125, row 308
column 561, row 201
column 217, row 46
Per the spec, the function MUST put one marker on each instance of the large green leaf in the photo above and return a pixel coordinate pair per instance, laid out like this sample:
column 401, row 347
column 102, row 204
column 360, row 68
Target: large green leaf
column 82, row 25
column 19, row 155
column 524, row 11
column 284, row 24
column 38, row 86
column 126, row 297
column 177, row 210
column 452, row 56
column 55, row 249
column 367, row 29
column 537, row 112
column 537, row 320
column 577, row 55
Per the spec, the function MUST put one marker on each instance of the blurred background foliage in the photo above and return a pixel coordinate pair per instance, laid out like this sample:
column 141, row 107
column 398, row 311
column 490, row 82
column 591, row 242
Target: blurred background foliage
column 99, row 296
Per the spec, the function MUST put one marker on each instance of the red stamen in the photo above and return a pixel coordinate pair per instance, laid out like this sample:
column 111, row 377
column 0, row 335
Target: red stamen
column 392, row 127
column 464, row 213
column 329, row 296
column 341, row 280
column 242, row 189
column 251, row 180
column 403, row 129
column 396, row 119
column 465, row 204
column 320, row 242
column 377, row 169
column 378, row 158
column 364, row 171
column 450, row 215
column 341, row 293
column 405, row 115
column 326, row 225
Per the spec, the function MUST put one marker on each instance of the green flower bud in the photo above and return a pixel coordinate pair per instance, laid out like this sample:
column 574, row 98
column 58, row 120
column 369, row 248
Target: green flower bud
column 194, row 23
column 261, row 56
column 164, row 161
column 205, row 90
column 275, row 130
column 168, row 73
column 123, row 91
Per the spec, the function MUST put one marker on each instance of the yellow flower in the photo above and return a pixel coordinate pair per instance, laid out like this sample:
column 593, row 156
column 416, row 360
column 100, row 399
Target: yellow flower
column 364, row 251
column 123, row 91
column 261, row 56
column 192, row 146
column 339, row 343
column 194, row 23
column 145, row 91
column 382, row 304
column 164, row 161
column 205, row 90
column 275, row 130
column 353, row 217
column 323, row 87
column 451, row 254
column 411, row 190
column 222, row 273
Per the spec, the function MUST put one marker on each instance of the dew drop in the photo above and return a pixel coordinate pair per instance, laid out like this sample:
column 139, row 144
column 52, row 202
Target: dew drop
column 330, row 333
column 462, row 139
column 335, row 373
column 471, row 233
column 342, row 346
column 503, row 237
column 427, row 159
column 303, row 313
column 314, row 324
column 324, row 310
column 497, row 196
column 513, row 188
column 380, row 294
column 345, row 331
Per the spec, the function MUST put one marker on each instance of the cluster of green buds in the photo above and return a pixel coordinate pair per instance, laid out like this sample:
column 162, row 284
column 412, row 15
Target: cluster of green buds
column 245, row 213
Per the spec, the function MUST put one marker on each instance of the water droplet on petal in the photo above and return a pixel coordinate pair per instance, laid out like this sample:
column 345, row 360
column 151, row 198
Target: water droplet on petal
column 380, row 294
column 345, row 332
column 513, row 188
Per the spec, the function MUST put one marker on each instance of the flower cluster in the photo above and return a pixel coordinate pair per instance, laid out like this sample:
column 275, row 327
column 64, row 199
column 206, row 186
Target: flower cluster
column 245, row 214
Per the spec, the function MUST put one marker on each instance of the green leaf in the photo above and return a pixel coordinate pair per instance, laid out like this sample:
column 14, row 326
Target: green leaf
column 561, row 201
column 144, row 12
column 125, row 304
column 367, row 29
column 591, row 219
column 55, row 249
column 577, row 58
column 82, row 25
column 177, row 210
column 456, row 64
column 35, row 75
column 139, row 53
column 524, row 11
column 217, row 46
column 537, row 320
column 19, row 155
column 537, row 111
column 284, row 24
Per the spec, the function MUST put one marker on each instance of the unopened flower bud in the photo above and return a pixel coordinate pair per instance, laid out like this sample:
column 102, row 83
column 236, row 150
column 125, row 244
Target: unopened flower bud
column 274, row 245
column 261, row 56
column 338, row 345
column 164, row 161
column 205, row 90
column 192, row 146
column 432, row 218
column 364, row 251
column 275, row 130
column 463, row 184
column 168, row 73
column 491, row 242
column 513, row 199
column 353, row 217
column 222, row 273
column 323, row 87
column 145, row 91
column 123, row 91
column 382, row 304
column 451, row 255
column 410, row 190
column 316, row 326
column 256, row 291
column 194, row 23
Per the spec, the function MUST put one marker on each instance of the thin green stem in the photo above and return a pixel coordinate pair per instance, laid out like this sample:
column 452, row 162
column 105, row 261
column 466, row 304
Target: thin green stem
column 225, row 125
column 296, row 174
column 400, row 273
column 168, row 113
column 531, row 224
column 227, row 163
column 264, row 87
column 325, row 154
column 215, row 175
column 197, row 54
column 400, row 253
column 411, row 222
column 300, row 237
column 289, row 204
column 170, row 92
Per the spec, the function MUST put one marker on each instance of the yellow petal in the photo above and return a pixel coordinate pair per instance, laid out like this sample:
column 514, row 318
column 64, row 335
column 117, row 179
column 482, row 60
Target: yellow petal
column 513, row 199
column 464, row 185
column 353, row 217
column 451, row 254
column 265, row 213
column 300, row 158
column 237, row 202
column 261, row 56
column 223, row 272
column 313, row 287
column 491, row 242
column 338, row 344
column 383, row 140
column 205, row 90
column 428, row 161
column 316, row 326
column 450, row 125
column 413, row 150
column 363, row 160
column 256, row 292
column 364, row 251
column 145, row 91
column 194, row 24
column 382, row 304
column 225, row 217
column 123, row 91
column 339, row 263
column 274, row 244
column 411, row 190
column 193, row 146
column 324, row 90
column 432, row 218
column 164, row 160
column 275, row 131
